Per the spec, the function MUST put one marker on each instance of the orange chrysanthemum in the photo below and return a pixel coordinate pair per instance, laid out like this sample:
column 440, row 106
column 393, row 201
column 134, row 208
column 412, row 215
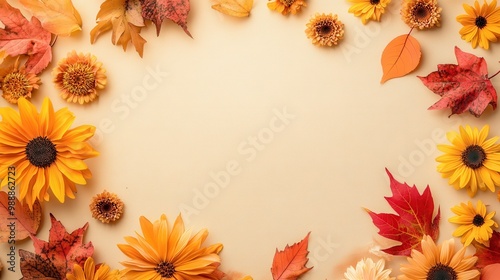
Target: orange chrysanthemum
column 79, row 77
column 169, row 253
column 421, row 14
column 46, row 154
column 325, row 30
column 286, row 7
column 106, row 207
column 15, row 83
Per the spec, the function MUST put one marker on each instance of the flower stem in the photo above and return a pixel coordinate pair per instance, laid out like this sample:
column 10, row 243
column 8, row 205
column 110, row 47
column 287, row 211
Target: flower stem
column 493, row 76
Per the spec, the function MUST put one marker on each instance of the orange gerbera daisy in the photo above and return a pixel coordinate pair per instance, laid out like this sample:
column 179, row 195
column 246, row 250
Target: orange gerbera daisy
column 164, row 253
column 46, row 154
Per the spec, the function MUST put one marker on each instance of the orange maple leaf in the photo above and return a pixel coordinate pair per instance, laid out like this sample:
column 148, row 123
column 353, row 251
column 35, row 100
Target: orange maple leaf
column 290, row 263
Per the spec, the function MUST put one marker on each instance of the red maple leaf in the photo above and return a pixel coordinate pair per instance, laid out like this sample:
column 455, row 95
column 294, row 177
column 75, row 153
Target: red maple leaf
column 62, row 251
column 23, row 37
column 290, row 263
column 462, row 87
column 488, row 255
column 159, row 10
column 414, row 219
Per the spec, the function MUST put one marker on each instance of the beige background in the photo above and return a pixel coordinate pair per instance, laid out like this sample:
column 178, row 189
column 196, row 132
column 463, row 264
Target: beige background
column 162, row 135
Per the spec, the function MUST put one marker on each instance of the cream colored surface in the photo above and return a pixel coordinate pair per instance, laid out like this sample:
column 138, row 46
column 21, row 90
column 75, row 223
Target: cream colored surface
column 325, row 129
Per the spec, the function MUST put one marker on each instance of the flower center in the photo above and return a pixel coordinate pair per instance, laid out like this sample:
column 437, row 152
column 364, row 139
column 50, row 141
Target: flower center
column 473, row 156
column 481, row 22
column 15, row 84
column 374, row 2
column 41, row 152
column 421, row 12
column 324, row 28
column 287, row 3
column 165, row 269
column 78, row 79
column 478, row 220
column 441, row 272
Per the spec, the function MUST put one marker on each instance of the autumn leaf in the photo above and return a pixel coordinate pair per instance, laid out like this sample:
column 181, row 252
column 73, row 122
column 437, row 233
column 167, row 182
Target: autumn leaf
column 23, row 37
column 235, row 8
column 488, row 255
column 414, row 219
column 463, row 86
column 159, row 10
column 124, row 17
column 400, row 57
column 33, row 266
column 59, row 17
column 63, row 250
column 290, row 263
column 18, row 217
column 491, row 272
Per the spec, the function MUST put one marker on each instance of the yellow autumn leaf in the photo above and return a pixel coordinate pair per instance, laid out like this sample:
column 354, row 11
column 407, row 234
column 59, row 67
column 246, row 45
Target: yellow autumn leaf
column 235, row 8
column 400, row 57
column 125, row 19
column 59, row 17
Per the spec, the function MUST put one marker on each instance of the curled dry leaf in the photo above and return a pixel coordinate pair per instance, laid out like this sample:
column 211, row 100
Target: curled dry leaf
column 464, row 86
column 124, row 17
column 23, row 37
column 235, row 8
column 400, row 57
column 159, row 10
column 290, row 263
column 414, row 219
column 17, row 217
column 59, row 17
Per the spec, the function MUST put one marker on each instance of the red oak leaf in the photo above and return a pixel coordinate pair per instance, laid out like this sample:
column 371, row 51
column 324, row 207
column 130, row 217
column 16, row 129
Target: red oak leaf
column 414, row 219
column 488, row 255
column 63, row 250
column 290, row 263
column 159, row 10
column 462, row 87
column 23, row 37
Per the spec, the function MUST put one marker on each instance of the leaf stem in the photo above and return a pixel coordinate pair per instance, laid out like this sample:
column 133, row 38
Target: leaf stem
column 493, row 76
column 53, row 41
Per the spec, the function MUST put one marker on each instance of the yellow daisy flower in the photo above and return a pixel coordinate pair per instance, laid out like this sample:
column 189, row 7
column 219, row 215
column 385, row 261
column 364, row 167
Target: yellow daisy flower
column 15, row 82
column 325, row 30
column 475, row 223
column 286, row 7
column 421, row 14
column 481, row 24
column 439, row 262
column 366, row 269
column 79, row 77
column 368, row 9
column 46, row 154
column 164, row 253
column 471, row 162
column 89, row 272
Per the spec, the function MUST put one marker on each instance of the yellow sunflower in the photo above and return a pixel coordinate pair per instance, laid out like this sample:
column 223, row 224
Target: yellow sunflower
column 439, row 262
column 475, row 223
column 471, row 162
column 164, row 253
column 46, row 154
column 368, row 9
column 89, row 272
column 15, row 82
column 421, row 14
column 325, row 30
column 79, row 77
column 286, row 7
column 481, row 24
column 367, row 269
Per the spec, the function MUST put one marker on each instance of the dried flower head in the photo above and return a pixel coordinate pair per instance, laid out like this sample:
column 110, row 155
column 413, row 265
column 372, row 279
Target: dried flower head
column 286, row 7
column 106, row 207
column 325, row 30
column 422, row 14
column 15, row 83
column 79, row 76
